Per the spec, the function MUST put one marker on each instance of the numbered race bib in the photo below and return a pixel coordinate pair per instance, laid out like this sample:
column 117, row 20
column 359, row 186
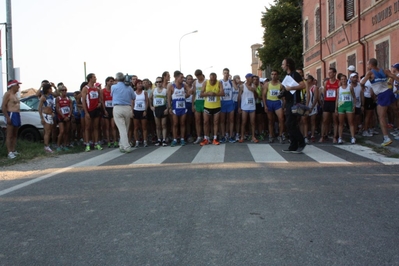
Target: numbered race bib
column 227, row 96
column 139, row 105
column 357, row 99
column 250, row 101
column 65, row 110
column 93, row 94
column 159, row 101
column 274, row 92
column 212, row 99
column 108, row 104
column 331, row 93
column 180, row 104
column 346, row 98
column 198, row 96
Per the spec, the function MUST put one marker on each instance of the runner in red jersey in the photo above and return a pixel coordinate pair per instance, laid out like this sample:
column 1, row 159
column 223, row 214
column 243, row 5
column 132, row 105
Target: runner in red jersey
column 91, row 103
column 109, row 123
column 330, row 95
column 63, row 107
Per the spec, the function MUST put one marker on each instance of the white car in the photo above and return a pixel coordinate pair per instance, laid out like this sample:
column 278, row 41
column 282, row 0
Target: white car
column 31, row 127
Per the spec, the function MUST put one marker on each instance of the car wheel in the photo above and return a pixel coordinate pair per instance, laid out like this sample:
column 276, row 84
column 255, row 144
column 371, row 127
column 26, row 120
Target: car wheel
column 30, row 134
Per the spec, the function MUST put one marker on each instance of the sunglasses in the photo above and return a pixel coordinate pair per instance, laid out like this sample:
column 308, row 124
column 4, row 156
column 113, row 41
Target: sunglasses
column 158, row 81
column 63, row 90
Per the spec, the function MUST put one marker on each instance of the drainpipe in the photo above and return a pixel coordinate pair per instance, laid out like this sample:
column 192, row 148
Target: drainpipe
column 358, row 37
column 321, row 46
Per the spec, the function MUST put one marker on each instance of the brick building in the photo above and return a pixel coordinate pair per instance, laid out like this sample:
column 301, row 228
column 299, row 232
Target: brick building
column 336, row 36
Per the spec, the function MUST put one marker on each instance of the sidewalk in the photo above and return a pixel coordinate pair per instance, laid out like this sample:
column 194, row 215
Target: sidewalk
column 376, row 141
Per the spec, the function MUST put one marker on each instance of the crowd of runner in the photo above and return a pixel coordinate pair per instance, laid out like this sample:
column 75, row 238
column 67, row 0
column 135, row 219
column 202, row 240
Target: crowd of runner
column 211, row 110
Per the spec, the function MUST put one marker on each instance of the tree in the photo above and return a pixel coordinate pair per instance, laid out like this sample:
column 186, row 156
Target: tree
column 283, row 34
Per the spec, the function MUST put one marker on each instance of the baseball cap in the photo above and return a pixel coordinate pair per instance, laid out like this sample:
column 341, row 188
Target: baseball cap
column 249, row 75
column 351, row 68
column 353, row 74
column 12, row 83
column 396, row 65
column 262, row 80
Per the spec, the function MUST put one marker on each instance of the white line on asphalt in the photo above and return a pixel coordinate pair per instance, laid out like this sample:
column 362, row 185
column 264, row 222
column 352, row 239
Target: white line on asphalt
column 157, row 156
column 368, row 153
column 95, row 161
column 322, row 156
column 210, row 154
column 264, row 153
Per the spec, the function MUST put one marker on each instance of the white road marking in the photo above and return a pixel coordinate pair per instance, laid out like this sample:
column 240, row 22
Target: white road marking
column 95, row 161
column 210, row 154
column 368, row 153
column 157, row 156
column 322, row 156
column 264, row 153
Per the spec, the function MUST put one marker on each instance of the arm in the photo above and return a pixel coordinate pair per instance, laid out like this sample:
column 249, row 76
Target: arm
column 366, row 77
column 4, row 107
column 40, row 108
column 169, row 97
column 221, row 90
column 203, row 94
column 353, row 96
column 264, row 94
column 388, row 73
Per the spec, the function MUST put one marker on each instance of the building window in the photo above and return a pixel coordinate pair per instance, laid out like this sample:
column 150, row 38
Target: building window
column 333, row 65
column 352, row 60
column 306, row 35
column 349, row 7
column 331, row 16
column 318, row 77
column 317, row 24
column 382, row 52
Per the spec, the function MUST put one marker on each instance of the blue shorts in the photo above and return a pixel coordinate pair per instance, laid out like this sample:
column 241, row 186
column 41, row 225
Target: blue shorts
column 189, row 107
column 82, row 114
column 179, row 111
column 273, row 106
column 15, row 118
column 386, row 98
column 248, row 111
column 227, row 106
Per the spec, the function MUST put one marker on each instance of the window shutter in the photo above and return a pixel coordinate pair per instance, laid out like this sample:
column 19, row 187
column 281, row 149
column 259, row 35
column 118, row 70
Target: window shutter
column 349, row 9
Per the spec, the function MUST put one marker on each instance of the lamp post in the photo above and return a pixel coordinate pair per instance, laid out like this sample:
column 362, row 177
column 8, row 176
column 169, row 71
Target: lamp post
column 179, row 46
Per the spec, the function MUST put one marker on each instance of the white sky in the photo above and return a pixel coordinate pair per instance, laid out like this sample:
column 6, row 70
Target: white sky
column 52, row 38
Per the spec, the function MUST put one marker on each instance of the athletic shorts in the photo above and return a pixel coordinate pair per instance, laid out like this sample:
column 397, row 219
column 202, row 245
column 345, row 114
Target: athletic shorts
column 227, row 106
column 259, row 109
column 248, row 111
column 139, row 115
column 82, row 114
column 386, row 98
column 15, row 118
column 212, row 111
column 179, row 112
column 329, row 106
column 345, row 108
column 160, row 111
column 189, row 107
column 273, row 106
column 150, row 115
column 110, row 112
column 199, row 106
column 95, row 113
column 369, row 104
column 48, row 119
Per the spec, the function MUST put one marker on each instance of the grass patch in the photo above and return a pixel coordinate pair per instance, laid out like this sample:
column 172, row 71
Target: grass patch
column 31, row 150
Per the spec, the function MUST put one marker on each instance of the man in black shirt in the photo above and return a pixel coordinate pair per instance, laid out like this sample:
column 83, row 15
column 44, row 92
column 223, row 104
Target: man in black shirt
column 297, row 142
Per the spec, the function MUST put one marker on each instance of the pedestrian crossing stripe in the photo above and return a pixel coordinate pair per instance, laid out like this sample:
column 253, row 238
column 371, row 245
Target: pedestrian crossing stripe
column 261, row 153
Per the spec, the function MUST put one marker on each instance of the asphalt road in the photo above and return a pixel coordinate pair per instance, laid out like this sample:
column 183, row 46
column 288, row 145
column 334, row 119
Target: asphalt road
column 182, row 210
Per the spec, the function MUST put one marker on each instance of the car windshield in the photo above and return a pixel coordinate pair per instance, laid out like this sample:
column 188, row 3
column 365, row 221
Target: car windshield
column 24, row 107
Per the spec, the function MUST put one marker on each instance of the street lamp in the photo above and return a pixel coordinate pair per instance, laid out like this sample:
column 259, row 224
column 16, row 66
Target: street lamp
column 179, row 46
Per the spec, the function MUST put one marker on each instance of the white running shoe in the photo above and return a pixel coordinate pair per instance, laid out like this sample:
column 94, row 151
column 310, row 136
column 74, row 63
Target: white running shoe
column 11, row 155
column 353, row 141
column 340, row 141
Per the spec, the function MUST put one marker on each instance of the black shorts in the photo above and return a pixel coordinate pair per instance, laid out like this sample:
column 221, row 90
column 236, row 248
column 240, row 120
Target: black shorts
column 95, row 113
column 110, row 112
column 150, row 115
column 259, row 109
column 160, row 111
column 369, row 104
column 358, row 111
column 139, row 115
column 212, row 111
column 329, row 107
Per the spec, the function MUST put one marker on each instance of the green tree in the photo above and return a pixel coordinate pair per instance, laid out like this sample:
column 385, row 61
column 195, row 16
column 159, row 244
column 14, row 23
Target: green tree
column 283, row 34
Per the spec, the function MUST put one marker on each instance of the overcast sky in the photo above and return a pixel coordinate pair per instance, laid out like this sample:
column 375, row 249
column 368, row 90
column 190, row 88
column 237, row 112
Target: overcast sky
column 52, row 39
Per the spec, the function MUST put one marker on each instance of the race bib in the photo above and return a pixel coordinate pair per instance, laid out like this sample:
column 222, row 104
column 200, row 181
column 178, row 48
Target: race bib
column 212, row 99
column 180, row 104
column 250, row 101
column 198, row 97
column 139, row 105
column 159, row 101
column 331, row 93
column 274, row 92
column 346, row 98
column 93, row 94
column 65, row 110
column 227, row 96
column 108, row 104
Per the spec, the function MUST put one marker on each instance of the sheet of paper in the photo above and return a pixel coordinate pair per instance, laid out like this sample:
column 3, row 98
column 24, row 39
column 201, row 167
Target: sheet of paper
column 290, row 82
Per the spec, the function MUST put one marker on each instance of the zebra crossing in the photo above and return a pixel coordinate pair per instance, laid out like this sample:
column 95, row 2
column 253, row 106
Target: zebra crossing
column 257, row 153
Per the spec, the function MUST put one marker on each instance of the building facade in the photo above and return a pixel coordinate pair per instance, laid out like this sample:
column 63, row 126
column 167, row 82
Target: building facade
column 256, row 63
column 340, row 33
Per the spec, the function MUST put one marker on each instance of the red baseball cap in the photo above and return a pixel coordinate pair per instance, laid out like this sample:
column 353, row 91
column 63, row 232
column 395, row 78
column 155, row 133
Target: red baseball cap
column 12, row 83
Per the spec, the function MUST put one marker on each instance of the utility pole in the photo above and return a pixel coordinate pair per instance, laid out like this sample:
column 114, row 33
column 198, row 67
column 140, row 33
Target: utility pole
column 10, row 62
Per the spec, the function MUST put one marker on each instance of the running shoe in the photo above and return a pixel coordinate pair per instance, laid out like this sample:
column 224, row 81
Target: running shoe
column 232, row 140
column 15, row 153
column 11, row 155
column 237, row 137
column 198, row 141
column 300, row 148
column 87, row 148
column 116, row 144
column 164, row 144
column 59, row 149
column 353, row 141
column 254, row 140
column 340, row 141
column 312, row 139
column 215, row 142
column 145, row 144
column 158, row 143
column 49, row 150
column 241, row 140
column 271, row 140
column 223, row 140
column 367, row 133
column 386, row 142
column 98, row 147
column 109, row 144
column 204, row 142
column 128, row 150
column 174, row 143
column 281, row 140
column 306, row 140
column 137, row 144
column 182, row 142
